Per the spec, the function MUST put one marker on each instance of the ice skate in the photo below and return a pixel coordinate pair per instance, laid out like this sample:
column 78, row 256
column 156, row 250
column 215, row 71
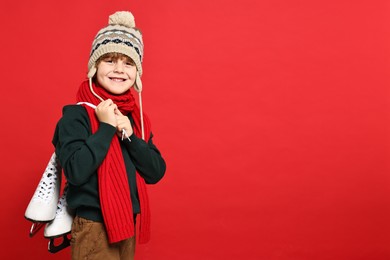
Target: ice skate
column 43, row 204
column 61, row 226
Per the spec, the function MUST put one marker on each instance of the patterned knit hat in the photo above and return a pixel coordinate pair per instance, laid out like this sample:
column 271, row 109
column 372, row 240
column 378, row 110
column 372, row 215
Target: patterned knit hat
column 119, row 36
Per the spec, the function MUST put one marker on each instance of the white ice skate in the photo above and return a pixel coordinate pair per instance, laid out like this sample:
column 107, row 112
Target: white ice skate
column 61, row 226
column 43, row 205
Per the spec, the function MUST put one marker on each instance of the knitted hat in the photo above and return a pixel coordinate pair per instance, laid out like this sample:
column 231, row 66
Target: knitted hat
column 119, row 36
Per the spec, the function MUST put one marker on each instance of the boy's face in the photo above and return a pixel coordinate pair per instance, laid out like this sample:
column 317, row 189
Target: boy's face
column 116, row 75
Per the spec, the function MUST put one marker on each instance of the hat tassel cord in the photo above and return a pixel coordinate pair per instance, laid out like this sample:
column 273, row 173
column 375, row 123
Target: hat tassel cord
column 142, row 115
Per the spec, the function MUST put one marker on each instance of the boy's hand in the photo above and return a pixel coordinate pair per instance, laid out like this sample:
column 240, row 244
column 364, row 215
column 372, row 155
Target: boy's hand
column 123, row 122
column 105, row 112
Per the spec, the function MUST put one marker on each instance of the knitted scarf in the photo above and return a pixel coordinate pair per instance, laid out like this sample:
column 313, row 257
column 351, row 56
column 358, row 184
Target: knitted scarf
column 114, row 191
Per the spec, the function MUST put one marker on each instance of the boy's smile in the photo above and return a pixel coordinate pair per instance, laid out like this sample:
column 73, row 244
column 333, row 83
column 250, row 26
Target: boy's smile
column 116, row 75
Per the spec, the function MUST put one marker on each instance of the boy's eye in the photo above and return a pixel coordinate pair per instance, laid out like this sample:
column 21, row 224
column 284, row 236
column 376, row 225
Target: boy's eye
column 109, row 61
column 129, row 63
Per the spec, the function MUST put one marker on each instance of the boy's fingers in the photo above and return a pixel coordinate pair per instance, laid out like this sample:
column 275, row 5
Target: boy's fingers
column 118, row 112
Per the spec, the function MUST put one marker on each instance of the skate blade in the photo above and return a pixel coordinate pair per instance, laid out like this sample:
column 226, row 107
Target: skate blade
column 65, row 243
column 35, row 227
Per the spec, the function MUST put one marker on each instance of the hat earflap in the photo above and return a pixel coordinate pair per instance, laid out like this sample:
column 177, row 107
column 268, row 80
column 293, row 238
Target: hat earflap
column 92, row 72
column 138, row 83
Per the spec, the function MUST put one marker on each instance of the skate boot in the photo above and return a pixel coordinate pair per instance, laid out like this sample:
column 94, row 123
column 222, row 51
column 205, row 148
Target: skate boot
column 61, row 226
column 43, row 205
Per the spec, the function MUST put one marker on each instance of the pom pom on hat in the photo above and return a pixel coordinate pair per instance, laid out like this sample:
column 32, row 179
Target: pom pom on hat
column 122, row 18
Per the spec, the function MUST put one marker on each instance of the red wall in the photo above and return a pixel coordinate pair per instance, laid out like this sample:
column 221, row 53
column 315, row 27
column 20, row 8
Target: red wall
column 273, row 117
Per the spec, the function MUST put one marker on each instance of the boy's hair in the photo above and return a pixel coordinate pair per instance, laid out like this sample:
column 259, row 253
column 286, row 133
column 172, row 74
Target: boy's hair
column 114, row 56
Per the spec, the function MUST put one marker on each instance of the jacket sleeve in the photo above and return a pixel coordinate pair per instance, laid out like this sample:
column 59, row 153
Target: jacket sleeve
column 80, row 153
column 146, row 158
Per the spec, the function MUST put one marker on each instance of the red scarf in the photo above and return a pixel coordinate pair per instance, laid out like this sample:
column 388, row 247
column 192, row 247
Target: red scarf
column 114, row 191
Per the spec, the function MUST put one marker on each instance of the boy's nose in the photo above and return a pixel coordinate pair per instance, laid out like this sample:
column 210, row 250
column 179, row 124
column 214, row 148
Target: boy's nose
column 118, row 67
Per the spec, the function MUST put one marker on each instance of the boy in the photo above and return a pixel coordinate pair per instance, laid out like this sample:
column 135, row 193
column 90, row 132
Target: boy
column 100, row 146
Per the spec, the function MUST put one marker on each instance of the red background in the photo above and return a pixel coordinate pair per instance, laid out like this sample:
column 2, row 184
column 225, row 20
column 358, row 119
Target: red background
column 273, row 117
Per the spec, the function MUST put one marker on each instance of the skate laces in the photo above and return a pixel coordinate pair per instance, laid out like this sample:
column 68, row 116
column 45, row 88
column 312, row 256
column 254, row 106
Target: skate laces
column 62, row 204
column 47, row 185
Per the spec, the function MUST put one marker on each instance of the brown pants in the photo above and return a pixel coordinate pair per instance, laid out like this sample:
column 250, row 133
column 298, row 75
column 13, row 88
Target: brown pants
column 89, row 241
